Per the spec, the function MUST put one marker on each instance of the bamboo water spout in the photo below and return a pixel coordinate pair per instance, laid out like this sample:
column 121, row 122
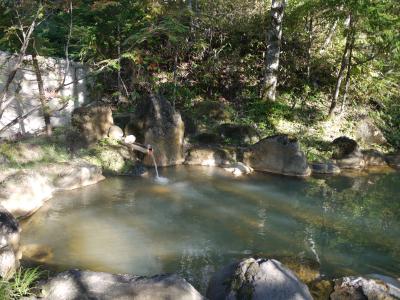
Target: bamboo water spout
column 140, row 148
column 149, row 151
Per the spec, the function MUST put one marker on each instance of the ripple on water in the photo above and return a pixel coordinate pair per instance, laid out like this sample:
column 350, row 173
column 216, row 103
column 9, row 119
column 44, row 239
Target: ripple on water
column 203, row 219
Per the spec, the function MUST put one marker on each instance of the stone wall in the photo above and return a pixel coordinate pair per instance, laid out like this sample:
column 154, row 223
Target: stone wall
column 23, row 94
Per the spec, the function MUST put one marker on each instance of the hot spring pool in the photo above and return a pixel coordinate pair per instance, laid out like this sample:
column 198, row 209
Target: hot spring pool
column 204, row 218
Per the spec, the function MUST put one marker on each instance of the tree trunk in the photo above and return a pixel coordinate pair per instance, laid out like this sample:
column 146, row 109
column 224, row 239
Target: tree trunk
column 42, row 96
column 26, row 39
column 274, row 37
column 310, row 37
column 329, row 37
column 348, row 74
column 343, row 66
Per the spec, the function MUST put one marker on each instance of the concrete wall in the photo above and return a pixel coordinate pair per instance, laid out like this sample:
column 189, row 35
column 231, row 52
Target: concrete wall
column 23, row 94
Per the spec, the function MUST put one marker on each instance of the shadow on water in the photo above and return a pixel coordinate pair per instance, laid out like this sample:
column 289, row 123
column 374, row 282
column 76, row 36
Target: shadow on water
column 204, row 219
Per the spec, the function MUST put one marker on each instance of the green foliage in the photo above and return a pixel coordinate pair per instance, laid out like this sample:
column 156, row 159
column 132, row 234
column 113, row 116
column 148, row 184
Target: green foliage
column 214, row 51
column 20, row 285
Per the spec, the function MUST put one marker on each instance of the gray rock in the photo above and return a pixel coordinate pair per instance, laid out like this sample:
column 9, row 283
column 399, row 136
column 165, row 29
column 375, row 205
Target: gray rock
column 92, row 123
column 115, row 132
column 239, row 134
column 162, row 128
column 393, row 160
column 71, row 175
column 277, row 154
column 373, row 158
column 346, row 153
column 238, row 169
column 208, row 138
column 21, row 153
column 256, row 279
column 325, row 168
column 368, row 133
column 343, row 147
column 76, row 284
column 9, row 244
column 25, row 191
column 130, row 139
column 209, row 156
column 375, row 287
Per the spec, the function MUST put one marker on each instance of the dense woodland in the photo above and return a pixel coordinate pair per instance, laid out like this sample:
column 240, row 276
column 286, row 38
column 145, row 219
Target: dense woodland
column 305, row 73
column 241, row 61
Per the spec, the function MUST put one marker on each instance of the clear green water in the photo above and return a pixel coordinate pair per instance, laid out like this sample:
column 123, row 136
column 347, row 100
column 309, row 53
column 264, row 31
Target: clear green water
column 204, row 219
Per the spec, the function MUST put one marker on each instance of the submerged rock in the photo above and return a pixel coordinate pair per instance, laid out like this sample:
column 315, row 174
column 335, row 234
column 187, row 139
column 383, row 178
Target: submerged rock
column 256, row 279
column 9, row 244
column 376, row 287
column 277, row 154
column 238, row 169
column 76, row 284
column 36, row 253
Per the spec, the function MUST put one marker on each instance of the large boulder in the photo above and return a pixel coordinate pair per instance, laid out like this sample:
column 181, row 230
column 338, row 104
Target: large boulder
column 214, row 110
column 277, row 154
column 373, row 158
column 21, row 153
column 393, row 160
column 324, row 168
column 368, row 133
column 160, row 126
column 25, row 192
column 238, row 134
column 71, row 175
column 256, row 279
column 92, row 123
column 9, row 244
column 114, row 159
column 347, row 154
column 375, row 287
column 76, row 284
column 209, row 156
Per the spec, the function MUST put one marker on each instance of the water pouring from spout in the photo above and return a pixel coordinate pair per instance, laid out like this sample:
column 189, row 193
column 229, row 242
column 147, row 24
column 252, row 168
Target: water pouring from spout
column 158, row 179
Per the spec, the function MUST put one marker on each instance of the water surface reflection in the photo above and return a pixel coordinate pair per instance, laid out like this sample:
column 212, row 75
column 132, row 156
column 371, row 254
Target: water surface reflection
column 204, row 219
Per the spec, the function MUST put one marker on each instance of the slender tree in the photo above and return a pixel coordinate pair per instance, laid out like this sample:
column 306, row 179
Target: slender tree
column 42, row 96
column 345, row 63
column 274, row 38
column 25, row 38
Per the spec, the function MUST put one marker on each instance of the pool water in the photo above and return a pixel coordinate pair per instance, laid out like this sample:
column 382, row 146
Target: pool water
column 204, row 218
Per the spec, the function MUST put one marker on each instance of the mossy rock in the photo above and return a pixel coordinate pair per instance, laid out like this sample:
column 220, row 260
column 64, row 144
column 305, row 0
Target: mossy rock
column 113, row 158
column 213, row 110
column 321, row 289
